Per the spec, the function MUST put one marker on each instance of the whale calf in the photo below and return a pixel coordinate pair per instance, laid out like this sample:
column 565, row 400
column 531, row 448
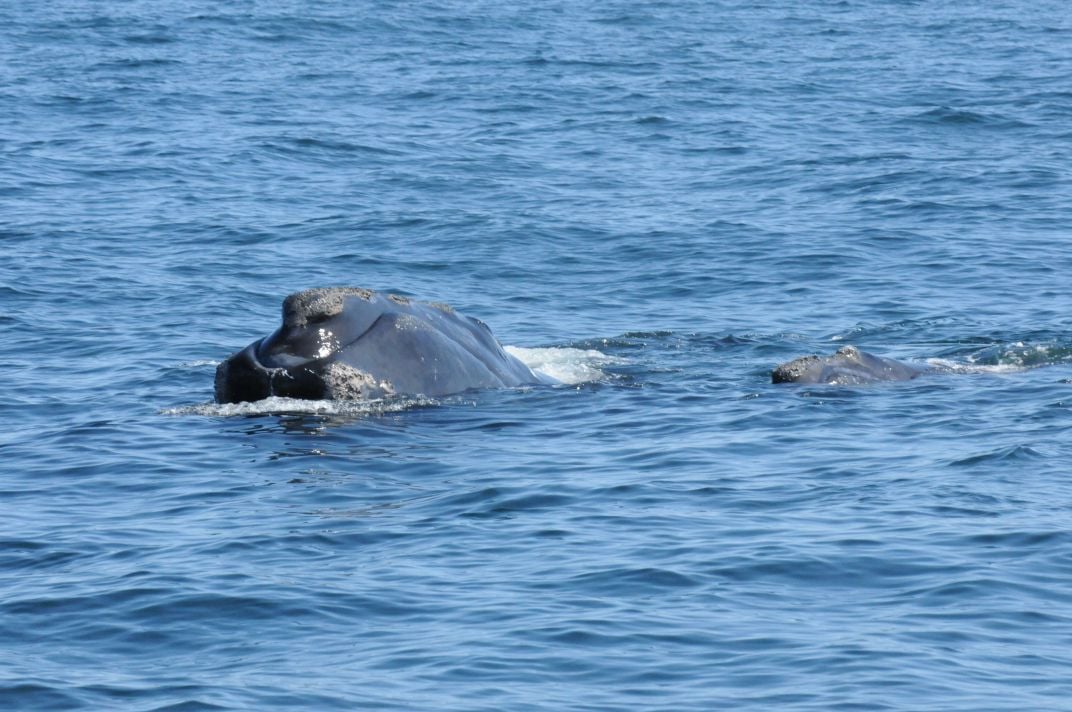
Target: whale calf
column 354, row 344
column 847, row 366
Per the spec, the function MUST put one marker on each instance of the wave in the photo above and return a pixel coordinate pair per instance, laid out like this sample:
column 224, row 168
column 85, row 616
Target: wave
column 276, row 405
column 1005, row 358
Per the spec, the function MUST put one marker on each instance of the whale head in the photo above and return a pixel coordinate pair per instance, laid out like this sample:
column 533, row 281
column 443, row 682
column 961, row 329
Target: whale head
column 355, row 344
column 301, row 358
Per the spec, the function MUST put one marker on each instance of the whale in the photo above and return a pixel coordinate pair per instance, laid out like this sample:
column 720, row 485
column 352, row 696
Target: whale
column 349, row 343
column 847, row 366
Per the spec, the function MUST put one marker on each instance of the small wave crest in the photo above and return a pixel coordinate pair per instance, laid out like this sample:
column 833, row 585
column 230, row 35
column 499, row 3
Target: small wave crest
column 200, row 363
column 948, row 366
column 566, row 365
column 1021, row 355
column 1006, row 358
column 1016, row 452
column 276, row 405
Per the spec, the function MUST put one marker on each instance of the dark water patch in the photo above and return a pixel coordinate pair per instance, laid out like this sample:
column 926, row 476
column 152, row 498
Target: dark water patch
column 341, row 146
column 1020, row 453
column 855, row 572
column 16, row 555
column 191, row 706
column 947, row 116
column 1020, row 541
column 522, row 504
column 37, row 696
column 956, row 511
column 161, row 35
column 66, row 605
column 137, row 63
column 207, row 607
column 982, row 589
column 633, row 582
column 494, row 503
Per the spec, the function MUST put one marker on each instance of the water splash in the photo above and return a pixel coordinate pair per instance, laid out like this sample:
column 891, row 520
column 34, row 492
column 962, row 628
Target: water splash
column 566, row 365
column 276, row 405
column 1007, row 358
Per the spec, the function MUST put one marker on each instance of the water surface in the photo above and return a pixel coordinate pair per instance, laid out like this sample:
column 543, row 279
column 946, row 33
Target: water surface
column 658, row 200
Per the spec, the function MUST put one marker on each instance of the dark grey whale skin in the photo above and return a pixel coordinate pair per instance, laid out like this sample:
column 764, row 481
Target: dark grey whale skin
column 847, row 366
column 351, row 343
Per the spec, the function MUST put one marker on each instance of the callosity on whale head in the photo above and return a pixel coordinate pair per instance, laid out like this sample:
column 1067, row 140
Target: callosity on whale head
column 349, row 343
column 847, row 366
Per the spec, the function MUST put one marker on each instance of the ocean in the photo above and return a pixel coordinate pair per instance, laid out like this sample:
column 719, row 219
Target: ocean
column 655, row 202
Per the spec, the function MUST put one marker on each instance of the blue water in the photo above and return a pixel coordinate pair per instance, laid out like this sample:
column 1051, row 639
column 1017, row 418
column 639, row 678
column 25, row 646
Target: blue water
column 659, row 201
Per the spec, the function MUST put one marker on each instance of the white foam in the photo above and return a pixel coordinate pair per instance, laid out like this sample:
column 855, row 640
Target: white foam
column 1009, row 358
column 954, row 367
column 565, row 365
column 276, row 405
column 202, row 363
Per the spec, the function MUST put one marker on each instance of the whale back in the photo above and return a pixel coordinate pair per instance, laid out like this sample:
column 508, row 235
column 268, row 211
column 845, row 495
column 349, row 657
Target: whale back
column 847, row 366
